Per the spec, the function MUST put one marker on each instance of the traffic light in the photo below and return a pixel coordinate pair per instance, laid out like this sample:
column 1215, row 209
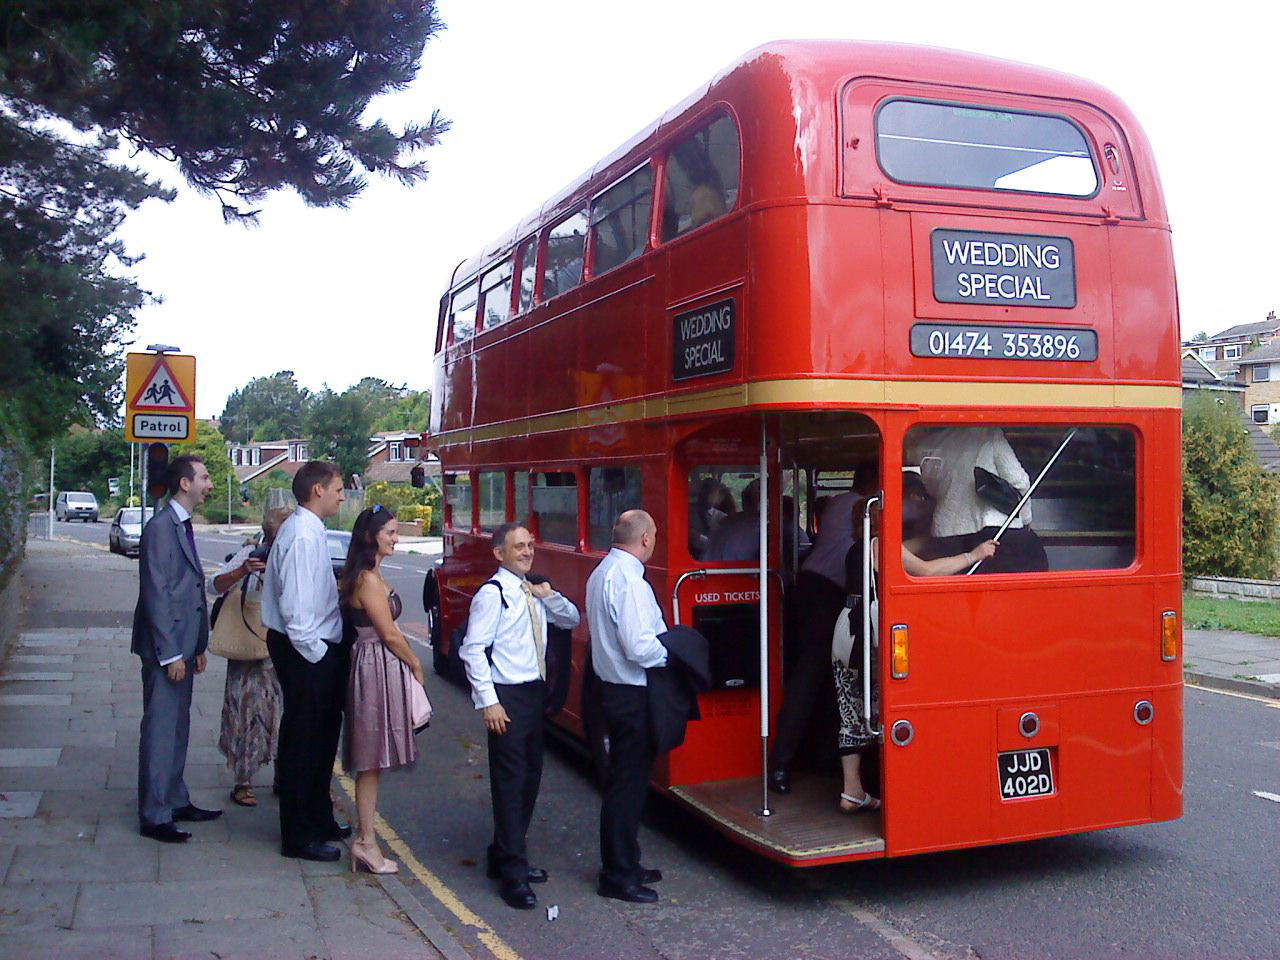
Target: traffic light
column 418, row 477
column 157, row 469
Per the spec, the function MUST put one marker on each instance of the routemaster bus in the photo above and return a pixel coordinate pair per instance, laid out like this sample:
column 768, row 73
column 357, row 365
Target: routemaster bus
column 845, row 267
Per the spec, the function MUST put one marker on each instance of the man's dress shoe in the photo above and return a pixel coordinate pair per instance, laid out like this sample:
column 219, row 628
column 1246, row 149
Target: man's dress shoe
column 340, row 831
column 164, row 832
column 535, row 874
column 779, row 780
column 315, row 850
column 648, row 876
column 636, row 893
column 518, row 895
column 193, row 814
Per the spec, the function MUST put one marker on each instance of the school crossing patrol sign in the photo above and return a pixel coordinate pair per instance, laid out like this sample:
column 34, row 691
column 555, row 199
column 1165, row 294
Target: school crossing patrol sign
column 160, row 395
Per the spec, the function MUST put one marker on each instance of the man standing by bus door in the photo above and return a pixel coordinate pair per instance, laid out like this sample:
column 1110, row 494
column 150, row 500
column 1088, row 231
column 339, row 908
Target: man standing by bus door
column 505, row 656
column 625, row 622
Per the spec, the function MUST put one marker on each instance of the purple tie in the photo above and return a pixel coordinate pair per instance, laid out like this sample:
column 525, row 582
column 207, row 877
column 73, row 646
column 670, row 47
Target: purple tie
column 191, row 539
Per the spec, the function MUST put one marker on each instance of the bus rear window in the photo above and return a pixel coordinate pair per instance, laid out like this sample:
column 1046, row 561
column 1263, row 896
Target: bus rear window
column 961, row 485
column 954, row 145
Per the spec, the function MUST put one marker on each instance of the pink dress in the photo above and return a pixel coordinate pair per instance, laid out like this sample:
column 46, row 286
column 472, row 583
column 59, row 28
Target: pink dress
column 379, row 732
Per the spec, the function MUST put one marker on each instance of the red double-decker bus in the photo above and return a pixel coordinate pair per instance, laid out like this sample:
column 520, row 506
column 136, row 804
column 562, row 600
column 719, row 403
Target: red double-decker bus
column 922, row 278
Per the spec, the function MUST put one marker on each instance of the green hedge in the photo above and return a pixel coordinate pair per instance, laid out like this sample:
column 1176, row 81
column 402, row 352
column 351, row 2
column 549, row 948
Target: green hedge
column 1229, row 502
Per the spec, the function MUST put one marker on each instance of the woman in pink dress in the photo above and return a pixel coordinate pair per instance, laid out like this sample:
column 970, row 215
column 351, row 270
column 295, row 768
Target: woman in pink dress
column 379, row 728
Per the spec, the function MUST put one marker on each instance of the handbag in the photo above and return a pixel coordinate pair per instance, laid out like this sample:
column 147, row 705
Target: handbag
column 996, row 490
column 240, row 637
column 846, row 635
column 419, row 705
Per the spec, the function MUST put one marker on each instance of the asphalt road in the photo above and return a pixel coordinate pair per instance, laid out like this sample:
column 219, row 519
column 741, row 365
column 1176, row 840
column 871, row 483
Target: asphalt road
column 1205, row 886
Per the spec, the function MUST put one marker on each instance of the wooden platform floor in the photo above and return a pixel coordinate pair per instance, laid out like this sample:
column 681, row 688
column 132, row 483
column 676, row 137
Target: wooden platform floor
column 806, row 823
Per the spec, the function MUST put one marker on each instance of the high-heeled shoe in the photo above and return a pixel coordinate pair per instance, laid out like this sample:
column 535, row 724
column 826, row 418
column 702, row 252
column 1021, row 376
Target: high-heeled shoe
column 358, row 859
column 864, row 802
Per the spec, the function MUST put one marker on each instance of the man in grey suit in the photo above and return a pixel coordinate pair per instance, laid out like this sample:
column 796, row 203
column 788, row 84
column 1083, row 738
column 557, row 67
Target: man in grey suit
column 170, row 634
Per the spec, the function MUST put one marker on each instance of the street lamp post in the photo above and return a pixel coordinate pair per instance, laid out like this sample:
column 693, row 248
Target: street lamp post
column 53, row 454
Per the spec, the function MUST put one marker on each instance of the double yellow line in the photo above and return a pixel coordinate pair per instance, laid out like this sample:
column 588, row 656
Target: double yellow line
column 439, row 889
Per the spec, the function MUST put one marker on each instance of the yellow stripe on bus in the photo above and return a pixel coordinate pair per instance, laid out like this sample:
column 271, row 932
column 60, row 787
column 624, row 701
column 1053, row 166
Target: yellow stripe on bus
column 837, row 391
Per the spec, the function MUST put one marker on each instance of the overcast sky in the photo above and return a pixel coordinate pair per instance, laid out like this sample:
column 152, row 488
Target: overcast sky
column 537, row 92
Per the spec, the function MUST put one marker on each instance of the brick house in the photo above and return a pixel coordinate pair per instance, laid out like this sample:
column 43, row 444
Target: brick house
column 1260, row 374
column 1223, row 351
column 1197, row 375
column 395, row 454
column 253, row 460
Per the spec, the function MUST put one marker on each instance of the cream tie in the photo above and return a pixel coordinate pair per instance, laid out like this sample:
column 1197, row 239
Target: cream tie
column 538, row 643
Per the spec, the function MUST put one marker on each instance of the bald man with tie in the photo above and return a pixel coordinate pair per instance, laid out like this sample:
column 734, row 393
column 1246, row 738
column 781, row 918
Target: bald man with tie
column 504, row 654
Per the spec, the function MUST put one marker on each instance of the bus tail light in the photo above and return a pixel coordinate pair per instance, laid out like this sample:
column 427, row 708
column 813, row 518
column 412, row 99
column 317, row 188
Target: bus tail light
column 1168, row 635
column 898, row 641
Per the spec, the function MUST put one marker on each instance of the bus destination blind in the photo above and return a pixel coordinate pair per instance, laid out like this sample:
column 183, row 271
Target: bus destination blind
column 973, row 341
column 703, row 340
column 1003, row 269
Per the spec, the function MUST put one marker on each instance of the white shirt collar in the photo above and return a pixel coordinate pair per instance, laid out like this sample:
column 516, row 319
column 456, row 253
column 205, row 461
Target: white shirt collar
column 309, row 517
column 180, row 511
column 629, row 560
column 510, row 576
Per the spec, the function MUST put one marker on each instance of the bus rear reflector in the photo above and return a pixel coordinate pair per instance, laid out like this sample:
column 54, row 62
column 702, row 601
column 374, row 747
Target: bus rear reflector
column 898, row 639
column 1168, row 635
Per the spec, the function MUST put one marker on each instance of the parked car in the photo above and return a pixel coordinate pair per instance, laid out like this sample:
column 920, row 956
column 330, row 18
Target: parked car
column 338, row 540
column 76, row 505
column 126, row 531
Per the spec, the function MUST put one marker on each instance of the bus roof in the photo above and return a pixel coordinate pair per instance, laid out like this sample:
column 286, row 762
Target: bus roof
column 809, row 74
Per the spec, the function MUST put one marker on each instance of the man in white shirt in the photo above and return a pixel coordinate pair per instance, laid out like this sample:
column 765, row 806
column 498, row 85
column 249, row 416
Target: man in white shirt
column 304, row 637
column 504, row 654
column 625, row 622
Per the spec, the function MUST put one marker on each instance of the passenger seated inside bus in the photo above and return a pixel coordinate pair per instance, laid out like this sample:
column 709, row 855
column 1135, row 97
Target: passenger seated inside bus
column 714, row 503
column 957, row 465
column 737, row 538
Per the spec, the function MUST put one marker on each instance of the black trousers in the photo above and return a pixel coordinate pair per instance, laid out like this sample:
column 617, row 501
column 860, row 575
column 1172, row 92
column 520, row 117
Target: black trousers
column 309, row 731
column 810, row 688
column 626, row 721
column 515, row 773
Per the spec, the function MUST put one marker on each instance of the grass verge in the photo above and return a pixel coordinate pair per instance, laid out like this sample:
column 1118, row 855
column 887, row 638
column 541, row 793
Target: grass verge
column 1216, row 613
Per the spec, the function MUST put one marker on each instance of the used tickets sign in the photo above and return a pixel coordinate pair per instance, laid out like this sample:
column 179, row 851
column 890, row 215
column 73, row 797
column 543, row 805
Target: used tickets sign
column 1003, row 269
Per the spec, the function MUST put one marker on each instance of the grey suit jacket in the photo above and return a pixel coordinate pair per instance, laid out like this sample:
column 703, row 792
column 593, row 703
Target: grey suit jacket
column 172, row 617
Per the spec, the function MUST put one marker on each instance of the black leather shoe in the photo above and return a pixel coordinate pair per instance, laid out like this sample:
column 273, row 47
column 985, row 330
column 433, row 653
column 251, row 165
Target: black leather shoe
column 315, row 850
column 632, row 894
column 518, row 895
column 648, row 876
column 535, row 874
column 164, row 832
column 193, row 814
column 779, row 780
column 340, row 831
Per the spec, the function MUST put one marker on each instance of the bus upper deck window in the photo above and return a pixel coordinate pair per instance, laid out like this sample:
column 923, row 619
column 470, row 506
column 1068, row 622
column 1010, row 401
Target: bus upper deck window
column 620, row 221
column 566, row 242
column 496, row 287
column 956, row 145
column 462, row 312
column 527, row 270
column 701, row 182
